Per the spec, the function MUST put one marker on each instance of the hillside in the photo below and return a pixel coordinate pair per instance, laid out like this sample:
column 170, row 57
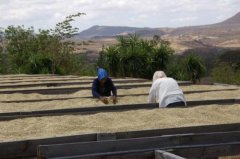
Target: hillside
column 227, row 27
column 204, row 39
column 108, row 31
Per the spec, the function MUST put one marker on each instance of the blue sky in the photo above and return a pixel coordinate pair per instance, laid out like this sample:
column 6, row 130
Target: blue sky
column 45, row 14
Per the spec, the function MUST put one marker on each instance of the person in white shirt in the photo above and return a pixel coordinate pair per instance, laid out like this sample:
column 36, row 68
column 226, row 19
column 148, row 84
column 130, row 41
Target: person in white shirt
column 166, row 91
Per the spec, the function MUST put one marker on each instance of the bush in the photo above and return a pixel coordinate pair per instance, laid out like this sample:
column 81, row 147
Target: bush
column 224, row 73
column 135, row 57
column 227, row 68
column 194, row 67
column 49, row 51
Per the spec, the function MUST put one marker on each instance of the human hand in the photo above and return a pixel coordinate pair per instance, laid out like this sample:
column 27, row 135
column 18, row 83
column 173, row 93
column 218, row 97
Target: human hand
column 114, row 98
column 104, row 100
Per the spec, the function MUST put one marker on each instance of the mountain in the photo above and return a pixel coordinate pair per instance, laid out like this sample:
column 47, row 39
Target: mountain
column 233, row 20
column 228, row 27
column 108, row 31
column 207, row 40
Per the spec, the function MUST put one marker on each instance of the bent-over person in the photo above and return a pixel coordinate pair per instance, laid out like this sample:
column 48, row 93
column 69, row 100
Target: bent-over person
column 166, row 91
column 103, row 87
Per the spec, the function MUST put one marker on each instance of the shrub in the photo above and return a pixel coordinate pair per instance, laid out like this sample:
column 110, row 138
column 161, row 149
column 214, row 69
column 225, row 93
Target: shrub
column 135, row 57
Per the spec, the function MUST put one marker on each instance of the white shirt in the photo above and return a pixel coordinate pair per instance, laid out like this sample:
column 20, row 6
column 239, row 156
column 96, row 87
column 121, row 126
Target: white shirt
column 165, row 91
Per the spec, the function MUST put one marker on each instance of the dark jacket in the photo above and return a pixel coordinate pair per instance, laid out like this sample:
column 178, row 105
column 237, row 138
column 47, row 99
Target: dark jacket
column 105, row 90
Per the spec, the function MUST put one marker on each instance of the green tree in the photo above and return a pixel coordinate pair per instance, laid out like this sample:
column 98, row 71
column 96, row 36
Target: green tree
column 227, row 68
column 232, row 58
column 176, row 68
column 223, row 73
column 135, row 57
column 49, row 51
column 194, row 67
column 161, row 56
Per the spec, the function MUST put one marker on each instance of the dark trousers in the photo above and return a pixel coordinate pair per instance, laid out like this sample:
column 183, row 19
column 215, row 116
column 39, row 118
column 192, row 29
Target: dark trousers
column 176, row 104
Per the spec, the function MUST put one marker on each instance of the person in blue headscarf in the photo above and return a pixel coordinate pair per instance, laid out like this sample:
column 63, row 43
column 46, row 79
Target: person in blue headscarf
column 103, row 87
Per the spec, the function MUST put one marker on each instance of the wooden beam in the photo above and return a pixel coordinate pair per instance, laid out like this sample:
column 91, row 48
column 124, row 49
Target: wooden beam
column 160, row 142
column 147, row 154
column 28, row 148
column 110, row 108
column 67, row 98
column 19, row 81
column 207, row 150
column 57, row 84
column 190, row 151
column 75, row 89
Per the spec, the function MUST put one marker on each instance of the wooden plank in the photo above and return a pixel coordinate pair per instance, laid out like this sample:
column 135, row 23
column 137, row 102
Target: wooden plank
column 67, row 98
column 71, row 149
column 65, row 90
column 204, row 151
column 190, row 151
column 57, row 84
column 110, row 108
column 28, row 148
column 83, row 110
column 181, row 130
column 19, row 81
column 224, row 84
column 106, row 136
column 73, row 89
column 214, row 101
column 142, row 154
column 61, row 79
column 26, row 75
column 207, row 150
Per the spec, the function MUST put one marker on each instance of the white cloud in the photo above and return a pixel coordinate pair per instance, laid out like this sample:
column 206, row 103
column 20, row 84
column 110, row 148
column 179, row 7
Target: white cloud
column 137, row 13
column 184, row 20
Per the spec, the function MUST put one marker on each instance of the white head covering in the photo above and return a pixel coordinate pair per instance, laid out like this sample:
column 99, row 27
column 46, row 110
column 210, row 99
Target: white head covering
column 158, row 74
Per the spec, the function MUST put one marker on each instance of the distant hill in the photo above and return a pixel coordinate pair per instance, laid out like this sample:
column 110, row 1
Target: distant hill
column 229, row 27
column 108, row 31
column 233, row 20
column 205, row 40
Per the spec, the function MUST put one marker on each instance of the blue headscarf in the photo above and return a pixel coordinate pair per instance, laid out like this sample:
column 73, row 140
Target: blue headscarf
column 102, row 74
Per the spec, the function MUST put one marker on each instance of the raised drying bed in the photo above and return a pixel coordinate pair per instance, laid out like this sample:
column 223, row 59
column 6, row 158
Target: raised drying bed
column 28, row 148
column 110, row 108
column 67, row 90
column 67, row 98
